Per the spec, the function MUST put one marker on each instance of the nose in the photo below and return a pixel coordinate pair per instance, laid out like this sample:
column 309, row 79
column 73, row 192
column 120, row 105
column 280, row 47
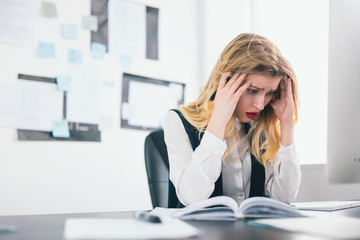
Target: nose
column 259, row 102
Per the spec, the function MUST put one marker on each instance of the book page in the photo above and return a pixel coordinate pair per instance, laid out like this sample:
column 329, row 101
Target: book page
column 211, row 202
column 263, row 207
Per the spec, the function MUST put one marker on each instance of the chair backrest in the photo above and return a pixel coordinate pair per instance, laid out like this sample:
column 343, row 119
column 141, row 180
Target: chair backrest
column 157, row 168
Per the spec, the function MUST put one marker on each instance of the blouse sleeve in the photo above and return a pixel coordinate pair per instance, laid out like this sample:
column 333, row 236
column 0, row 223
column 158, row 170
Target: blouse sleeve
column 283, row 183
column 193, row 173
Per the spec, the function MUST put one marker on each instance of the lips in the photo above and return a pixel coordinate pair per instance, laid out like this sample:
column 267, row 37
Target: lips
column 251, row 115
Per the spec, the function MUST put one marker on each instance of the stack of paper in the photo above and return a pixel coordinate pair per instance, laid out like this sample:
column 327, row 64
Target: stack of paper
column 100, row 228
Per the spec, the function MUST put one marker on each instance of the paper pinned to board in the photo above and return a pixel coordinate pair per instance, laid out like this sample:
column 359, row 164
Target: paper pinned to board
column 102, row 228
column 69, row 31
column 98, row 50
column 45, row 50
column 333, row 226
column 29, row 105
column 60, row 129
column 48, row 9
column 75, row 56
column 16, row 21
column 63, row 82
column 125, row 40
column 90, row 22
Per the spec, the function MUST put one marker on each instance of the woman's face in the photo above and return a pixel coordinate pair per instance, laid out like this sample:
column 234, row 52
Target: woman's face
column 256, row 97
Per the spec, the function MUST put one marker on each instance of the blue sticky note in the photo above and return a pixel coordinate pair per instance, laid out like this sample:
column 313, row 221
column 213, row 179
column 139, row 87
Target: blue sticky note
column 45, row 50
column 109, row 84
column 98, row 50
column 75, row 56
column 63, row 83
column 125, row 61
column 69, row 31
column 60, row 129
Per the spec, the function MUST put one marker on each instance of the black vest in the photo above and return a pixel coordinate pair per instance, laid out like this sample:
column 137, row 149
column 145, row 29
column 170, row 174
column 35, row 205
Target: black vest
column 257, row 182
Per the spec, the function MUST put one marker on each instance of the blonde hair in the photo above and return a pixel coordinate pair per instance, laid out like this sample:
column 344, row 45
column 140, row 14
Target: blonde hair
column 251, row 54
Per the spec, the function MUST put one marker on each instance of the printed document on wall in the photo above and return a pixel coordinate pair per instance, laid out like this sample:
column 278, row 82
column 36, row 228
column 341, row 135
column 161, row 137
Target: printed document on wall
column 83, row 103
column 29, row 105
column 149, row 103
column 127, row 29
column 16, row 22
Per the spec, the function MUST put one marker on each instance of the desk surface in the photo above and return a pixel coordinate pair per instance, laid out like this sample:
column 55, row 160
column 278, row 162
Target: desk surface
column 50, row 227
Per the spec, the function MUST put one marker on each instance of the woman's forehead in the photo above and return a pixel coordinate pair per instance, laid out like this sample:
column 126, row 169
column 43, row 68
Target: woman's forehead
column 263, row 81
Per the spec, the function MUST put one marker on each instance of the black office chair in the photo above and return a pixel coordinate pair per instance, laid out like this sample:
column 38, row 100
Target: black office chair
column 162, row 191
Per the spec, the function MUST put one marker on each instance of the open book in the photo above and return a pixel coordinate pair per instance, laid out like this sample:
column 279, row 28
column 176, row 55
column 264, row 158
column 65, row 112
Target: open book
column 224, row 207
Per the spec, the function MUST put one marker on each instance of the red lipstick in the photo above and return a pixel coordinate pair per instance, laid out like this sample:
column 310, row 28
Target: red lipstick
column 251, row 115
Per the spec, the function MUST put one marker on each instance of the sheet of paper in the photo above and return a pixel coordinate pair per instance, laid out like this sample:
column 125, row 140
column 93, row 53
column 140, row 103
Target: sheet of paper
column 69, row 31
column 29, row 105
column 96, row 228
column 83, row 101
column 16, row 22
column 108, row 107
column 48, row 9
column 127, row 29
column 164, row 212
column 149, row 103
column 75, row 56
column 45, row 50
column 90, row 22
column 63, row 82
column 60, row 129
column 98, row 50
column 341, row 227
column 125, row 61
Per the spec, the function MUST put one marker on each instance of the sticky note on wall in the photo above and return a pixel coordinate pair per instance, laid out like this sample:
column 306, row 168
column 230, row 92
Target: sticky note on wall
column 63, row 83
column 125, row 61
column 75, row 56
column 69, row 31
column 48, row 9
column 45, row 50
column 98, row 50
column 90, row 22
column 60, row 129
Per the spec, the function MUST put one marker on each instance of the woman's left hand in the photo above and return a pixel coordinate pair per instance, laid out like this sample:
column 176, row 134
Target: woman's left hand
column 284, row 105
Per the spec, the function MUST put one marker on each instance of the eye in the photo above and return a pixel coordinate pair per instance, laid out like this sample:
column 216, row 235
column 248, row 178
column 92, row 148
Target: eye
column 252, row 91
column 269, row 93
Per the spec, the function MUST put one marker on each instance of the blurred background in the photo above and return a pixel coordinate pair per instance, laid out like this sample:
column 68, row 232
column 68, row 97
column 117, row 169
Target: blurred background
column 82, row 83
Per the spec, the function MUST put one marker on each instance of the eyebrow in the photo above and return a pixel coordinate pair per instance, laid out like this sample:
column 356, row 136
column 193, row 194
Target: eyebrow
column 257, row 88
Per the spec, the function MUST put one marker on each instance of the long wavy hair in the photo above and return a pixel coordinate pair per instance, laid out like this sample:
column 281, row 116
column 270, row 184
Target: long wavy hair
column 251, row 54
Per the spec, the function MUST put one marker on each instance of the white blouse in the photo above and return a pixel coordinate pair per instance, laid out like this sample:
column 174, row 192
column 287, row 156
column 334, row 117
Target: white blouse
column 194, row 173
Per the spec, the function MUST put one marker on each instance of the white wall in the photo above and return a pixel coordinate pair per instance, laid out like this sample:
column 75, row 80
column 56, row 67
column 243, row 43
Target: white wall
column 62, row 177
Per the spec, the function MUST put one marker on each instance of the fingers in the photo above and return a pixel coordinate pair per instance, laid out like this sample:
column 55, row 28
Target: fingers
column 242, row 89
column 223, row 79
column 287, row 91
column 289, row 88
column 237, row 82
column 233, row 83
column 233, row 79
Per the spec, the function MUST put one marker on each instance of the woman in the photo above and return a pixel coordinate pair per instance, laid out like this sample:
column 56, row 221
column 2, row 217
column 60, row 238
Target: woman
column 237, row 138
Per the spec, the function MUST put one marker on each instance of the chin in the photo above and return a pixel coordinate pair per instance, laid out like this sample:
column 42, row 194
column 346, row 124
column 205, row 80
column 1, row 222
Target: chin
column 244, row 119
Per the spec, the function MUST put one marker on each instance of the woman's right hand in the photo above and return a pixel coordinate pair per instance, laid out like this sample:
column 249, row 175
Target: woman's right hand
column 227, row 96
